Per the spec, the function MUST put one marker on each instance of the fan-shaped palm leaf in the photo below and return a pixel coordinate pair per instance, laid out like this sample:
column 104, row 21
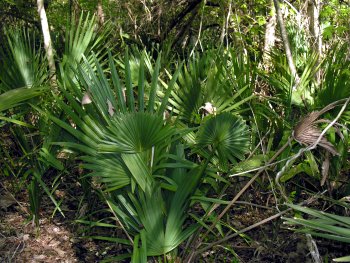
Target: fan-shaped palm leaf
column 133, row 151
column 226, row 134
column 136, row 132
column 81, row 38
column 336, row 80
column 222, row 79
column 22, row 62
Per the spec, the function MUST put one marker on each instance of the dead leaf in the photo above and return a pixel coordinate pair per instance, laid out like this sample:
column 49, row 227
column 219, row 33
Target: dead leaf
column 111, row 109
column 325, row 168
column 39, row 257
column 6, row 201
column 25, row 237
column 86, row 99
column 307, row 133
column 209, row 108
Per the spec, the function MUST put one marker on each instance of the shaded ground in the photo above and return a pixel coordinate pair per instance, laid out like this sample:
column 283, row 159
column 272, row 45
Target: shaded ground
column 59, row 239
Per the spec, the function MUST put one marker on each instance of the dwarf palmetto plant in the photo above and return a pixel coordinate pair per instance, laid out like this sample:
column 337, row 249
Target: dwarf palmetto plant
column 336, row 77
column 23, row 76
column 287, row 91
column 137, row 155
column 81, row 38
column 215, row 78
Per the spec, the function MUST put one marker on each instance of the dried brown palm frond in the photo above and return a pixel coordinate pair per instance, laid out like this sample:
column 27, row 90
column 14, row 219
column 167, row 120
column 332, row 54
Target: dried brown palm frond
column 307, row 132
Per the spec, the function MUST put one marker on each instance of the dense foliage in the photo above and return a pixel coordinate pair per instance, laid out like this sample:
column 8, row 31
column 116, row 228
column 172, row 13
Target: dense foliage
column 166, row 112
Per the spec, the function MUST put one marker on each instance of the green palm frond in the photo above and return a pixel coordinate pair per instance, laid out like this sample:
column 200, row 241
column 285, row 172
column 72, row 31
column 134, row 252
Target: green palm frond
column 223, row 79
column 134, row 152
column 136, row 132
column 336, row 79
column 81, row 38
column 110, row 170
column 283, row 83
column 322, row 224
column 226, row 134
column 22, row 62
column 137, row 59
column 17, row 96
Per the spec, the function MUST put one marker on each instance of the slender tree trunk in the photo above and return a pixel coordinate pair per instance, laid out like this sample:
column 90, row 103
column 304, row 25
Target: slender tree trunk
column 47, row 42
column 228, row 21
column 100, row 13
column 223, row 25
column 286, row 44
column 159, row 13
column 226, row 13
column 314, row 7
column 223, row 30
column 270, row 38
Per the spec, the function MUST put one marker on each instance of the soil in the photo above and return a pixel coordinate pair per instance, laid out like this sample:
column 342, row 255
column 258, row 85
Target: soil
column 61, row 239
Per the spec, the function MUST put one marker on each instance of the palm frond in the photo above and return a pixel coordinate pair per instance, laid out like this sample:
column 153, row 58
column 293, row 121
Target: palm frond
column 135, row 132
column 226, row 134
column 222, row 79
column 336, row 77
column 22, row 62
column 14, row 97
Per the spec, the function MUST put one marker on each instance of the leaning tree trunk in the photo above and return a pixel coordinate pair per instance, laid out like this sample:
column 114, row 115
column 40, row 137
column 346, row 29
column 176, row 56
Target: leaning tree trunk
column 270, row 38
column 314, row 7
column 286, row 44
column 47, row 42
column 100, row 13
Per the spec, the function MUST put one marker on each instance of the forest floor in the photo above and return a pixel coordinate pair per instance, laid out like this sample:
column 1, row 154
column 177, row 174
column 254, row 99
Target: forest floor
column 60, row 239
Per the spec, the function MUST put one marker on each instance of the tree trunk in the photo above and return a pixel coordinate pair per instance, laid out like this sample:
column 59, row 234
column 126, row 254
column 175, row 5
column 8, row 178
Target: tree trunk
column 100, row 13
column 223, row 27
column 225, row 21
column 286, row 44
column 270, row 38
column 228, row 21
column 314, row 7
column 47, row 42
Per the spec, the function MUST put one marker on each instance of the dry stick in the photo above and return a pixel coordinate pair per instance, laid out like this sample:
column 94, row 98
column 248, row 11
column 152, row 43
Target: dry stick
column 238, row 196
column 308, row 201
column 242, row 231
column 258, row 168
column 119, row 222
column 12, row 196
column 260, row 142
column 200, row 30
column 255, row 205
column 286, row 44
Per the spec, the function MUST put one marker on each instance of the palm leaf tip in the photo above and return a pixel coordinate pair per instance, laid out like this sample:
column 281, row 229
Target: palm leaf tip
column 227, row 134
